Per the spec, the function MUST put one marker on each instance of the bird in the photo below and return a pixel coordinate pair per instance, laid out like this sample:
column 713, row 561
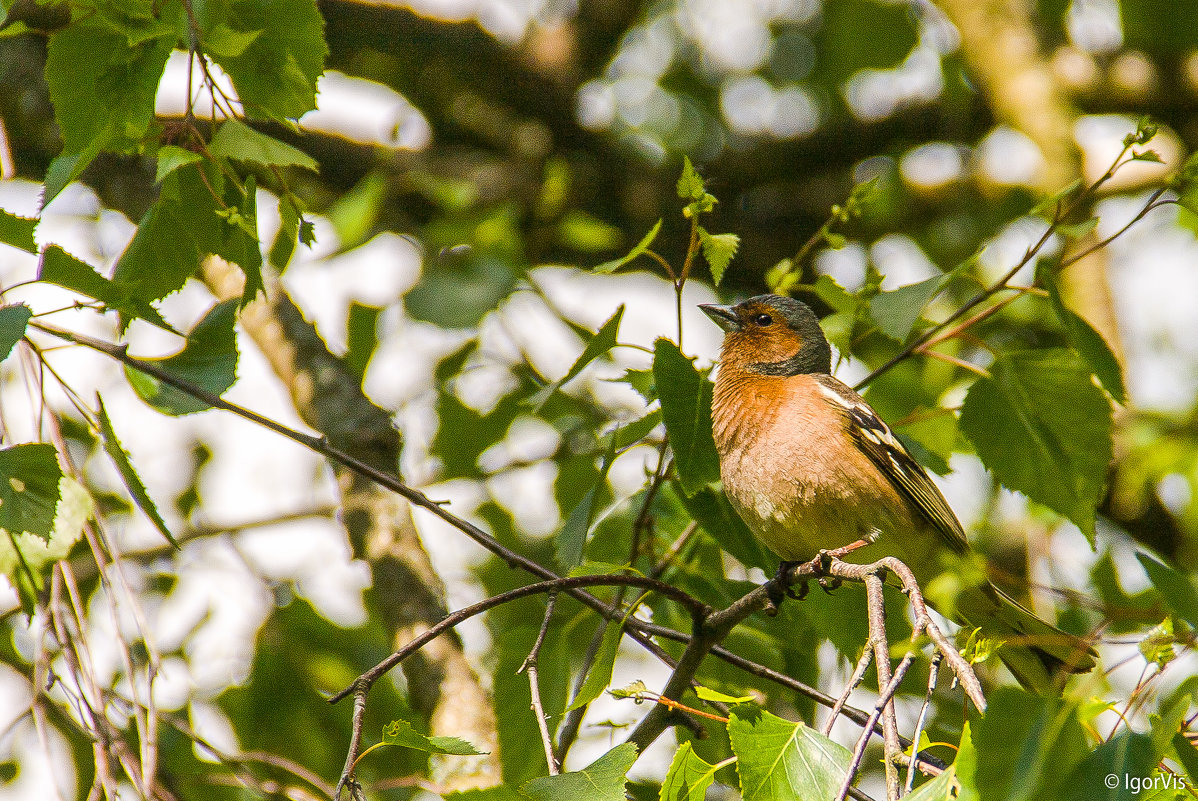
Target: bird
column 812, row 469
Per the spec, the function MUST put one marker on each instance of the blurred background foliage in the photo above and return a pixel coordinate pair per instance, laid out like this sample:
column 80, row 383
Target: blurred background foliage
column 474, row 162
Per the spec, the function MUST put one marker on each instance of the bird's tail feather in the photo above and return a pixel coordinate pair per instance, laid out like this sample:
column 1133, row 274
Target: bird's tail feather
column 1040, row 655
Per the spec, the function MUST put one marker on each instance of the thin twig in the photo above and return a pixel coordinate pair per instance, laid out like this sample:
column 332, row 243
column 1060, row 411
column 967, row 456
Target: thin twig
column 1060, row 214
column 884, row 699
column 675, row 548
column 933, row 672
column 568, row 732
column 953, row 360
column 534, row 686
column 361, row 685
column 867, row 656
column 697, row 608
column 1149, row 206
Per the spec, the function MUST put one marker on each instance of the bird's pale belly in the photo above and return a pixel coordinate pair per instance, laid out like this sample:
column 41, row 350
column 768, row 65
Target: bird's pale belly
column 798, row 516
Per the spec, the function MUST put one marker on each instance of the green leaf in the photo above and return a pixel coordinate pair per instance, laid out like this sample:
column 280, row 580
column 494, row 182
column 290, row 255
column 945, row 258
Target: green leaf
column 307, row 232
column 451, row 194
column 1089, row 343
column 275, row 73
column 835, row 241
column 223, row 42
column 1077, row 230
column 283, row 248
column 833, row 294
column 61, row 268
column 29, row 494
column 641, row 247
column 1177, row 590
column 237, row 141
column 355, row 213
column 1050, row 203
column 1157, row 646
column 362, row 336
column 1127, row 756
column 27, row 558
column 897, row 311
column 400, row 732
column 66, row 167
column 18, row 231
column 13, row 320
column 711, row 510
column 779, row 759
column 500, row 793
column 708, row 694
column 690, row 183
column 171, row 158
column 602, row 780
column 195, row 215
column 631, row 433
column 102, row 86
column 1144, row 133
column 571, row 540
column 688, row 778
column 133, row 482
column 476, row 283
column 208, row 361
column 1187, row 755
column 1043, row 428
column 642, row 383
column 686, row 410
column 599, row 676
column 942, row 788
column 1027, row 746
column 581, row 231
column 599, row 344
column 842, row 48
column 718, row 249
column 955, row 783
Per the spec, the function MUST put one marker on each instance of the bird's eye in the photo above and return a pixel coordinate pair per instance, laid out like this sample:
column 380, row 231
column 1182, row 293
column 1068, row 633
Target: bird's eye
column 762, row 319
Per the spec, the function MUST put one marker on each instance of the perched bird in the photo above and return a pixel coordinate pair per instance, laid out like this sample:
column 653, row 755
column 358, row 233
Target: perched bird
column 810, row 466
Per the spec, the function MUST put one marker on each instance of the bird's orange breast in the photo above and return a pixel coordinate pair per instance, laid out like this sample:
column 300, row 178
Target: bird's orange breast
column 791, row 471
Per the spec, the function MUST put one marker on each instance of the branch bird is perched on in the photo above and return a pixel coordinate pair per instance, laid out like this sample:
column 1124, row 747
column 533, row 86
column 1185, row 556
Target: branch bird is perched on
column 811, row 467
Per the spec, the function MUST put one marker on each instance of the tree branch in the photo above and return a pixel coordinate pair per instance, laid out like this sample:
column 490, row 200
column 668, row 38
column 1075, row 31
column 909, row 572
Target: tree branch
column 534, row 686
column 717, row 625
column 361, row 685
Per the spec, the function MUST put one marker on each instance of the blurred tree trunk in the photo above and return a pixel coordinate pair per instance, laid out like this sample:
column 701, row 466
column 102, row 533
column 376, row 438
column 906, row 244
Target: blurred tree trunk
column 407, row 595
column 1000, row 45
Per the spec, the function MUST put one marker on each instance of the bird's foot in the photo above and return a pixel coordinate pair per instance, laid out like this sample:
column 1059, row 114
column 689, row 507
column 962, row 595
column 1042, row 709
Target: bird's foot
column 828, row 583
column 778, row 588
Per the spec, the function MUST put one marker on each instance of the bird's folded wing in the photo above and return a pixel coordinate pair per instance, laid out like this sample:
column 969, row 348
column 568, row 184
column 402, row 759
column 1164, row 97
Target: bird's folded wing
column 875, row 439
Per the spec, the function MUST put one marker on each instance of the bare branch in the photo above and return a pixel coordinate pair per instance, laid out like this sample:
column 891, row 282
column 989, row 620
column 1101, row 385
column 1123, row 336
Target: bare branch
column 867, row 656
column 885, row 699
column 534, row 686
column 876, row 604
column 933, row 674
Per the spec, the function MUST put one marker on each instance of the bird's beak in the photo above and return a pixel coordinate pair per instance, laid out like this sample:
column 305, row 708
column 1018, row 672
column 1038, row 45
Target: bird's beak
column 723, row 316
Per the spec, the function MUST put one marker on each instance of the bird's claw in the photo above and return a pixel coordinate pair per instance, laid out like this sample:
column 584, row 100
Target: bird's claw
column 779, row 588
column 773, row 597
column 827, row 583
